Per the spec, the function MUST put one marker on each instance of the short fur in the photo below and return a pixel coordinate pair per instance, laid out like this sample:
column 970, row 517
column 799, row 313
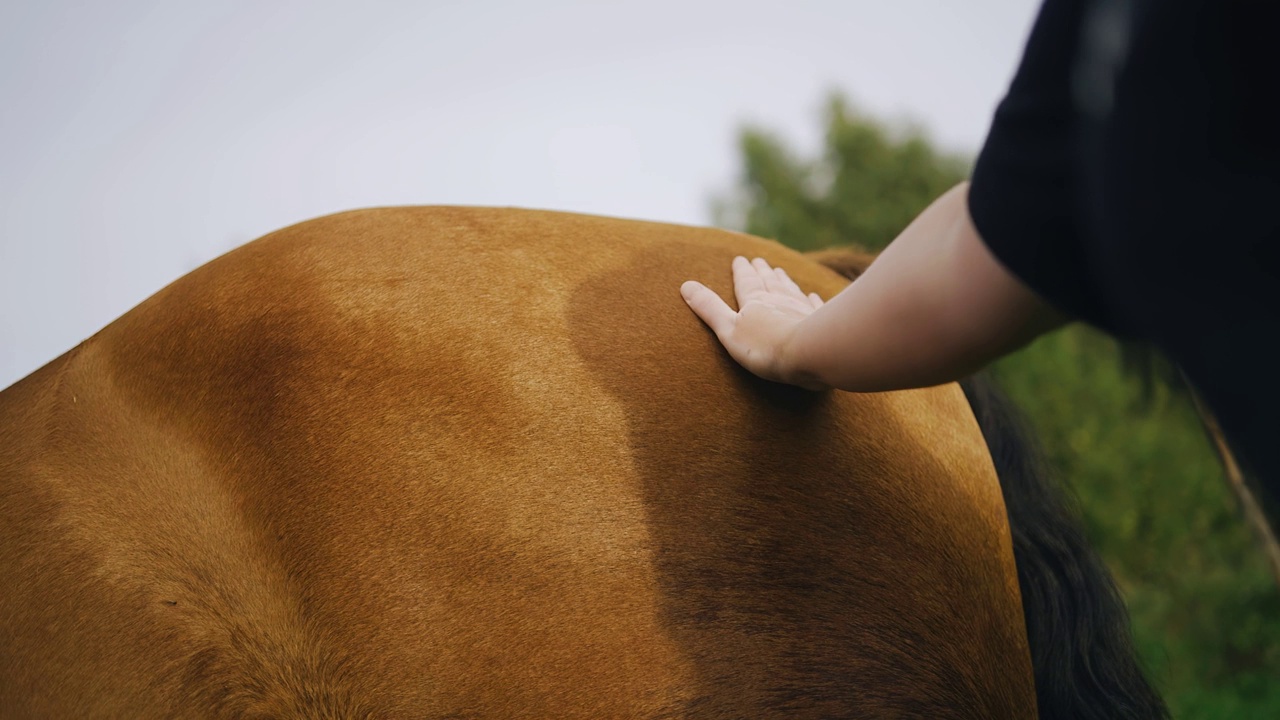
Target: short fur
column 484, row 463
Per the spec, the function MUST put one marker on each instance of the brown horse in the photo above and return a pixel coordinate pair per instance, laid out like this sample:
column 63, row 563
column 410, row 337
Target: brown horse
column 479, row 463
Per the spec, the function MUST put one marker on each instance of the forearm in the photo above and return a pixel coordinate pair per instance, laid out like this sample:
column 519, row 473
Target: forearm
column 934, row 307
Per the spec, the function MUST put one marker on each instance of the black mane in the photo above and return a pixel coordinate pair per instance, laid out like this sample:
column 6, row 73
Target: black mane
column 1082, row 650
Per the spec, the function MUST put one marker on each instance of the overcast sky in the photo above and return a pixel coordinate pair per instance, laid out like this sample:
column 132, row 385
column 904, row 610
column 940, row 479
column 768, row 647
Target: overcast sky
column 139, row 139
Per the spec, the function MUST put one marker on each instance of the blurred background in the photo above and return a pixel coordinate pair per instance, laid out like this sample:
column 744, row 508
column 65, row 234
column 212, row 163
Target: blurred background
column 139, row 139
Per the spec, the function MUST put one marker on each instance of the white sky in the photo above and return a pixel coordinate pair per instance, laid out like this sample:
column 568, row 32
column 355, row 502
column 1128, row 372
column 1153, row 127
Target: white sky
column 139, row 139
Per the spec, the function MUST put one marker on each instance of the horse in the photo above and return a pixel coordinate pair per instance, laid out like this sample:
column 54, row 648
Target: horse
column 460, row 462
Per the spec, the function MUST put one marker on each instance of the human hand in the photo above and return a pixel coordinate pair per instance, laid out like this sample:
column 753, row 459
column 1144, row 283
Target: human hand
column 770, row 309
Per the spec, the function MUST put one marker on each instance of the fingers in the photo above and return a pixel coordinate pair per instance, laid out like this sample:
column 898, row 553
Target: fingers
column 706, row 304
column 768, row 278
column 771, row 279
column 746, row 280
column 752, row 279
column 786, row 282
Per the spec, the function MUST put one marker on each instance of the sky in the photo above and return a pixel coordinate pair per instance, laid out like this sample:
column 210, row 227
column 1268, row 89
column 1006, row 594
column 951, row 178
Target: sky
column 140, row 139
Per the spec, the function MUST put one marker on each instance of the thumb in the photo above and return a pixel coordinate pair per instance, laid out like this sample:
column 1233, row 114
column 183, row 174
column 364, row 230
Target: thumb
column 708, row 306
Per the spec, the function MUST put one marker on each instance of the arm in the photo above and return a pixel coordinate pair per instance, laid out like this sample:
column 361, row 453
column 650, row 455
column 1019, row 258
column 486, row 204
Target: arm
column 934, row 307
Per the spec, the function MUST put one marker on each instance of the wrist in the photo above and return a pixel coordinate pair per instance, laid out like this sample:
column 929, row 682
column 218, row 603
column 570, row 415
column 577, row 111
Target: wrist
column 794, row 367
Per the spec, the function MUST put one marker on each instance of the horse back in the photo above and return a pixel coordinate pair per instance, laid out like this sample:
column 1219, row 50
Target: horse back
column 471, row 463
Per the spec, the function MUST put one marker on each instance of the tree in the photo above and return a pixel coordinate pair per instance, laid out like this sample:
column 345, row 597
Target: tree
column 870, row 181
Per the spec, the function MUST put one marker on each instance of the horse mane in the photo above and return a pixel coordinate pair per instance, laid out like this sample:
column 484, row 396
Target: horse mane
column 1082, row 650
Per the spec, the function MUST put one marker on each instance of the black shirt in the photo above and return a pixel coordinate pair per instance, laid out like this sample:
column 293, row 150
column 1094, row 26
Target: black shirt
column 1131, row 177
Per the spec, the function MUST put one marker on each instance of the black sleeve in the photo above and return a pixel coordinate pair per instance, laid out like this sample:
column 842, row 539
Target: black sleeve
column 1131, row 177
column 1023, row 196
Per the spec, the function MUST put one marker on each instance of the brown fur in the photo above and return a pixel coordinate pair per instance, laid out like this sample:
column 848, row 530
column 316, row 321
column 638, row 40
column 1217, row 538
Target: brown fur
column 480, row 463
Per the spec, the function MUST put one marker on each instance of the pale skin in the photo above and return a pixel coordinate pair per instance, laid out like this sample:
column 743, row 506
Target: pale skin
column 934, row 307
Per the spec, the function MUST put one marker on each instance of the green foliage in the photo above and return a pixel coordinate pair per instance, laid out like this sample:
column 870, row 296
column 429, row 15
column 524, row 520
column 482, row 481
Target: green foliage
column 870, row 182
column 1205, row 609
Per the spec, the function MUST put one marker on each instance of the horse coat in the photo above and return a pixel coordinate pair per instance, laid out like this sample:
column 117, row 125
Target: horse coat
column 484, row 463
